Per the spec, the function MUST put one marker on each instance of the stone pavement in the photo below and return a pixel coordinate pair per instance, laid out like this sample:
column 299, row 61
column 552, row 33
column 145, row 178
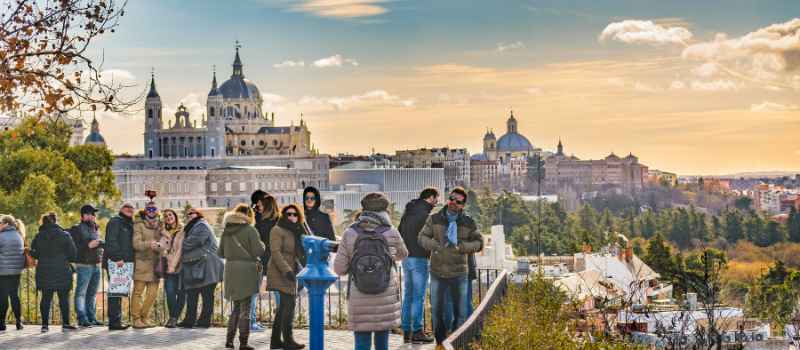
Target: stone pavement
column 163, row 338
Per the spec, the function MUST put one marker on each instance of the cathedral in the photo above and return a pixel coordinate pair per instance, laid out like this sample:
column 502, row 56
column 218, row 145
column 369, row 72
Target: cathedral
column 508, row 146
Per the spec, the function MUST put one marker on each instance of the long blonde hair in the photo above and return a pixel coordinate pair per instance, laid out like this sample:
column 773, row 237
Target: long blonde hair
column 271, row 209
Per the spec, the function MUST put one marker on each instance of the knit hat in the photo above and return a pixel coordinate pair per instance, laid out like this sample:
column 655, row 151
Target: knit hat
column 374, row 201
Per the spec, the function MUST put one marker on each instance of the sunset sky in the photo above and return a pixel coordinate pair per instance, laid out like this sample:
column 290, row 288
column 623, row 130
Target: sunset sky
column 689, row 87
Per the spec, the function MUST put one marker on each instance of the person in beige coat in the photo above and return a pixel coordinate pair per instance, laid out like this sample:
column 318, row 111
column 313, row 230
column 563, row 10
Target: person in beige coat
column 172, row 243
column 147, row 228
column 371, row 315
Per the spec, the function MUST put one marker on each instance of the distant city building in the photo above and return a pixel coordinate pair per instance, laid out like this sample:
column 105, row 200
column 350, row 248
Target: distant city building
column 454, row 161
column 659, row 175
column 342, row 159
column 94, row 137
column 624, row 174
column 512, row 144
column 11, row 120
column 484, row 172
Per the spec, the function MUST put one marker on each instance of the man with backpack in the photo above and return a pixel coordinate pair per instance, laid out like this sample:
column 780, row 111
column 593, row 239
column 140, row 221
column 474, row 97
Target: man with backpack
column 367, row 254
column 450, row 235
column 416, row 267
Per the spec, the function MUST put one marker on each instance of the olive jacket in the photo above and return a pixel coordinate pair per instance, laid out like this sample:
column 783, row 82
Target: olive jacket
column 449, row 262
column 241, row 275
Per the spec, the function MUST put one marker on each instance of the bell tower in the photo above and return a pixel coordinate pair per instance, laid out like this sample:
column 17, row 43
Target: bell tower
column 153, row 123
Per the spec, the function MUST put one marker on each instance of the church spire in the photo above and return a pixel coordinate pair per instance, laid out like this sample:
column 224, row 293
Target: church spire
column 237, row 63
column 153, row 93
column 214, row 88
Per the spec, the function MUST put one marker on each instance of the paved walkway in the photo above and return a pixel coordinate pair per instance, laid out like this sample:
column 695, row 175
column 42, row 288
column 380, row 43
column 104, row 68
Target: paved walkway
column 163, row 338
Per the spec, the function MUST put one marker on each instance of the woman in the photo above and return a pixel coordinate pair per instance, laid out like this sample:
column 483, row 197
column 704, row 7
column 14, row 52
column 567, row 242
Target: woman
column 372, row 315
column 54, row 250
column 12, row 262
column 267, row 214
column 286, row 244
column 241, row 248
column 147, row 228
column 200, row 243
column 171, row 241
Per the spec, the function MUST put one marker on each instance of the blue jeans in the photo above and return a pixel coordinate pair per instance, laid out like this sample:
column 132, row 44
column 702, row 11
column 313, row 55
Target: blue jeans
column 448, row 304
column 458, row 294
column 175, row 296
column 415, row 273
column 364, row 340
column 253, row 303
column 86, row 292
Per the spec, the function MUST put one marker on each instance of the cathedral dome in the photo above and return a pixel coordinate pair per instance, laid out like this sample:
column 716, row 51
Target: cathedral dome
column 513, row 141
column 237, row 86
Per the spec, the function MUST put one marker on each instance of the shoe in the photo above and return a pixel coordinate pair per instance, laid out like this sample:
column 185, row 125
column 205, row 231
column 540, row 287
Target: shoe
column 19, row 324
column 419, row 337
column 244, row 334
column 275, row 340
column 117, row 327
column 201, row 324
column 45, row 329
column 255, row 327
column 84, row 324
column 439, row 347
column 97, row 323
column 407, row 336
column 148, row 324
column 171, row 323
column 68, row 327
column 138, row 324
column 288, row 339
column 233, row 323
column 2, row 324
column 185, row 324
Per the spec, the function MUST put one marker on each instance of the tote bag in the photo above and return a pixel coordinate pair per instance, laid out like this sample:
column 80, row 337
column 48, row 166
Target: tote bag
column 120, row 279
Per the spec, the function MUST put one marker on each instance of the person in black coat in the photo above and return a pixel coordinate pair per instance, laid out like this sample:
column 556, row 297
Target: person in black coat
column 118, row 249
column 267, row 214
column 318, row 221
column 54, row 250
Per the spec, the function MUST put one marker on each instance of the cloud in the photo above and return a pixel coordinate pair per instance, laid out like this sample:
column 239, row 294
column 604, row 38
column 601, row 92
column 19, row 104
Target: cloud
column 194, row 103
column 501, row 48
column 719, row 85
column 706, row 70
column 644, row 88
column 781, row 41
column 343, row 9
column 676, row 84
column 532, row 91
column 773, row 88
column 772, row 106
column 290, row 64
column 448, row 98
column 112, row 76
column 794, row 81
column 531, row 8
column 333, row 61
column 615, row 81
column 340, row 104
column 644, row 32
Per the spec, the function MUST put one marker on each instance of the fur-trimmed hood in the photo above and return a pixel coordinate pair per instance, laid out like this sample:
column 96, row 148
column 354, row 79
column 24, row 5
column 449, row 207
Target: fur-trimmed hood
column 141, row 215
column 236, row 218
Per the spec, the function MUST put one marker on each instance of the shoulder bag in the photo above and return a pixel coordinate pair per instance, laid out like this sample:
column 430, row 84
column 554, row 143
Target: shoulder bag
column 257, row 261
column 29, row 260
column 193, row 270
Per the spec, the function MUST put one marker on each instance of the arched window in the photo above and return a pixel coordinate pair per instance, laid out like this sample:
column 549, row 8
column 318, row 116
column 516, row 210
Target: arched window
column 211, row 112
column 150, row 113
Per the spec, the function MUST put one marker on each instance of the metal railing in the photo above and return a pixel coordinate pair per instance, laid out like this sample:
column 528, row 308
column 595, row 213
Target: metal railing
column 335, row 303
column 471, row 331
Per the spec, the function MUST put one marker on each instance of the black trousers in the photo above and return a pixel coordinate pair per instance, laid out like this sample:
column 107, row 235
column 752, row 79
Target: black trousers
column 285, row 314
column 193, row 298
column 63, row 304
column 9, row 288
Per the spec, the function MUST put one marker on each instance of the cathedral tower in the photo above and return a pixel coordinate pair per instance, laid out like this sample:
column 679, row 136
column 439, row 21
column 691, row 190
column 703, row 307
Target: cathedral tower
column 153, row 123
column 215, row 125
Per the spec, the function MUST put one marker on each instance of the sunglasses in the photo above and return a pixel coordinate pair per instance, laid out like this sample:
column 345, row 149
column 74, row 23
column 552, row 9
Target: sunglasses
column 310, row 198
column 127, row 206
column 457, row 200
column 191, row 214
column 92, row 214
column 152, row 209
column 292, row 214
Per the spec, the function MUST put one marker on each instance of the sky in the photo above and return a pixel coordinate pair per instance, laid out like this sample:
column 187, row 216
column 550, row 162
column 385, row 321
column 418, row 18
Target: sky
column 689, row 87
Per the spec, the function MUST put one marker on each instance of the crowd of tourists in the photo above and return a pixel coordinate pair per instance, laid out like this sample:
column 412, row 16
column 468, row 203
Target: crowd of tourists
column 258, row 242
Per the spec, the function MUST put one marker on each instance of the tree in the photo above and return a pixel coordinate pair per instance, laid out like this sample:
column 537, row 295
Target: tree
column 186, row 208
column 734, row 230
column 793, row 225
column 743, row 203
column 659, row 255
column 647, row 226
column 44, row 65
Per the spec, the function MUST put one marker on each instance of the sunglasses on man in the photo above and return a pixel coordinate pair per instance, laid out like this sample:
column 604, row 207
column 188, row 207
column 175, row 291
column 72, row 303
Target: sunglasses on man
column 458, row 201
column 311, row 198
column 292, row 214
column 152, row 209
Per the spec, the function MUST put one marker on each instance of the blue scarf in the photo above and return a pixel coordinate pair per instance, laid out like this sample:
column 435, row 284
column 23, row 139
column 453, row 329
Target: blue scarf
column 452, row 229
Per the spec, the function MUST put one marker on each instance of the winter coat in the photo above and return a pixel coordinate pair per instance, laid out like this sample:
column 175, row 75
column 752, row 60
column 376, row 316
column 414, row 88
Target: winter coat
column 82, row 233
column 319, row 222
column 173, row 245
column 146, row 258
column 119, row 240
column 371, row 312
column 264, row 227
column 12, row 252
column 412, row 222
column 449, row 262
column 54, row 250
column 241, row 272
column 284, row 259
column 200, row 241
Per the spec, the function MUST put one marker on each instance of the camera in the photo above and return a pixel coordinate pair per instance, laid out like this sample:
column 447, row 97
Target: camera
column 101, row 244
column 150, row 193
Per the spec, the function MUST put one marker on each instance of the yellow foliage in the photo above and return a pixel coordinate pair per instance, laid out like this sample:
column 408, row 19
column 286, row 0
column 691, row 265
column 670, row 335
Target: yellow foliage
column 745, row 272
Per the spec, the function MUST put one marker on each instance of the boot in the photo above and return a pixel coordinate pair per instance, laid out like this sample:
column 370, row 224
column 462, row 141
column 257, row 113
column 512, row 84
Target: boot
column 244, row 334
column 19, row 323
column 407, row 336
column 419, row 337
column 171, row 323
column 288, row 339
column 148, row 324
column 275, row 340
column 233, row 322
column 138, row 324
column 3, row 324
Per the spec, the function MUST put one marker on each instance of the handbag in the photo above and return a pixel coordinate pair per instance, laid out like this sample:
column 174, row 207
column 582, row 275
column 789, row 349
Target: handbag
column 259, row 265
column 29, row 260
column 161, row 267
column 193, row 270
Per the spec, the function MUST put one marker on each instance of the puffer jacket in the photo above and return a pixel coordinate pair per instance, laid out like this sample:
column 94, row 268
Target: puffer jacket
column 173, row 245
column 264, row 227
column 284, row 259
column 82, row 234
column 412, row 222
column 371, row 312
column 241, row 273
column 12, row 252
column 146, row 258
column 54, row 250
column 200, row 241
column 449, row 262
column 119, row 240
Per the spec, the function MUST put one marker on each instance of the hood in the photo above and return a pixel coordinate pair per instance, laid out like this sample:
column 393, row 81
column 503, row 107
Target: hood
column 51, row 230
column 419, row 205
column 140, row 215
column 317, row 203
column 235, row 218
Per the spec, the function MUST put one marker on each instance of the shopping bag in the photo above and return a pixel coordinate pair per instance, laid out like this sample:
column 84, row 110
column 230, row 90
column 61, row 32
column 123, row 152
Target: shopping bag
column 120, row 279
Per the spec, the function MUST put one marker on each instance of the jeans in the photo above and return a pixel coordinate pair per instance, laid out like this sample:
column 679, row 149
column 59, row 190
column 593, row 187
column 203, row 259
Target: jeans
column 415, row 284
column 458, row 293
column 253, row 318
column 364, row 340
column 176, row 297
column 192, row 300
column 86, row 292
column 9, row 288
column 448, row 304
column 63, row 304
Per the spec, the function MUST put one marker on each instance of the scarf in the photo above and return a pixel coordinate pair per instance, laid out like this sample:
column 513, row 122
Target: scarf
column 191, row 223
column 379, row 218
column 452, row 229
column 298, row 230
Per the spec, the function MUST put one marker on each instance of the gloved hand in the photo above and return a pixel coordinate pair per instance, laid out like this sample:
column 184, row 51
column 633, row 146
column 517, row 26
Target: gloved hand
column 290, row 276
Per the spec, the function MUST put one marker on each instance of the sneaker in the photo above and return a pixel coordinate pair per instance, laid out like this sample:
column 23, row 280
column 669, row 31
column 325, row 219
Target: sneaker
column 98, row 323
column 255, row 327
column 419, row 337
column 407, row 336
column 84, row 324
column 45, row 329
column 68, row 327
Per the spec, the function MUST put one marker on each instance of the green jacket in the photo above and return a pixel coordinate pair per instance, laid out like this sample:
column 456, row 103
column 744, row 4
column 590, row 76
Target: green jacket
column 449, row 262
column 241, row 276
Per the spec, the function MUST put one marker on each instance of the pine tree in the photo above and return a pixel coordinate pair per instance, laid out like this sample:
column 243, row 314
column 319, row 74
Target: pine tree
column 659, row 255
column 793, row 225
column 647, row 226
column 733, row 226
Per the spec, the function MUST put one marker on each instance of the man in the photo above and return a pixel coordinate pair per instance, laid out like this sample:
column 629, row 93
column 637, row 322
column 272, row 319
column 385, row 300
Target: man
column 86, row 236
column 147, row 228
column 118, row 250
column 318, row 221
column 415, row 267
column 451, row 235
